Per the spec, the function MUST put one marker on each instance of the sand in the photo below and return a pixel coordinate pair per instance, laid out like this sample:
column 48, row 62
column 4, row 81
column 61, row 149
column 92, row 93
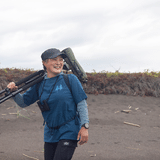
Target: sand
column 21, row 138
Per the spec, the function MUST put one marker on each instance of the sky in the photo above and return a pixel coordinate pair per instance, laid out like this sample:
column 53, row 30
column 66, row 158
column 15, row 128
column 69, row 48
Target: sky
column 104, row 35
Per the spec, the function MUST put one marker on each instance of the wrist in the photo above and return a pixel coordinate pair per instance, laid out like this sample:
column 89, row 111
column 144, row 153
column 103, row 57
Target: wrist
column 85, row 125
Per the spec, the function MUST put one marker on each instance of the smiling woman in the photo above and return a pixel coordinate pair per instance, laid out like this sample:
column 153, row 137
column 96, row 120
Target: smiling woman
column 64, row 109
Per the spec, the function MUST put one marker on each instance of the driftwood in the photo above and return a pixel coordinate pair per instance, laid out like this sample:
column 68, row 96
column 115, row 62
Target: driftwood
column 126, row 111
column 30, row 157
column 132, row 124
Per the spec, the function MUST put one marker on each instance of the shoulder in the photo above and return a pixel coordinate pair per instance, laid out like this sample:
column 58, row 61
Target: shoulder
column 72, row 77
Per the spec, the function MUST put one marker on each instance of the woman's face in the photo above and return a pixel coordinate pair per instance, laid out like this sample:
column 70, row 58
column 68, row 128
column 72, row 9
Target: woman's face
column 54, row 66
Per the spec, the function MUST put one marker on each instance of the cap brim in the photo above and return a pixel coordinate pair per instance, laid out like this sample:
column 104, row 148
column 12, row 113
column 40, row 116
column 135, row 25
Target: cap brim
column 58, row 54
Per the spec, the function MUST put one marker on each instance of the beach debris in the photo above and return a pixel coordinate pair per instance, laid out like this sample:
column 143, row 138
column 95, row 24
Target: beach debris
column 133, row 148
column 129, row 107
column 132, row 124
column 93, row 155
column 12, row 113
column 136, row 109
column 126, row 111
column 3, row 114
column 10, row 107
column 116, row 112
column 30, row 157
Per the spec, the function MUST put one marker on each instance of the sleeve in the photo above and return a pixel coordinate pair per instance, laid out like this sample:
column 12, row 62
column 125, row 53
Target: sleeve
column 83, row 112
column 31, row 95
column 77, row 89
column 19, row 100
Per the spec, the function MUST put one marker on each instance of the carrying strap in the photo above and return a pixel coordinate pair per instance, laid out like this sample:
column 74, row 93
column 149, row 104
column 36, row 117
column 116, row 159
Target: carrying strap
column 57, row 127
column 66, row 79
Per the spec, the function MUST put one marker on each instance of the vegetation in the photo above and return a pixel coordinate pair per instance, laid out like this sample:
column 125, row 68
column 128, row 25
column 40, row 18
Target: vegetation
column 142, row 84
column 137, row 84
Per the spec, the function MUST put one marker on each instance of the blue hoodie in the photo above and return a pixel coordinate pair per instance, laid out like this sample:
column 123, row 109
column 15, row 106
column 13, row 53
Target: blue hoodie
column 62, row 104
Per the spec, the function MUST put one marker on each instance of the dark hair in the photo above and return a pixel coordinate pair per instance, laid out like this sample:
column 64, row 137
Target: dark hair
column 45, row 69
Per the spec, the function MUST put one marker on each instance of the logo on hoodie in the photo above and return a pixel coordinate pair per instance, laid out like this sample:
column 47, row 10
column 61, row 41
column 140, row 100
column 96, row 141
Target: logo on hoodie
column 59, row 87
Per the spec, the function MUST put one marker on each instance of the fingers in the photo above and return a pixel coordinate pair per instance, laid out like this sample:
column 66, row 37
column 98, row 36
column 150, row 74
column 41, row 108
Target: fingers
column 82, row 142
column 78, row 137
column 12, row 86
column 83, row 134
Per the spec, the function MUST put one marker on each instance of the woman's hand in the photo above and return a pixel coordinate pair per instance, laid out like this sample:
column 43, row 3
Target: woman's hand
column 83, row 133
column 12, row 86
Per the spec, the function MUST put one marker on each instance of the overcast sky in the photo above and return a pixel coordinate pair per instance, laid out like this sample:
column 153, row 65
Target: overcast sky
column 105, row 35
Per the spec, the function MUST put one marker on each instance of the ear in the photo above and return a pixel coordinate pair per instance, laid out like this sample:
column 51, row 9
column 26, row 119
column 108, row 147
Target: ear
column 45, row 62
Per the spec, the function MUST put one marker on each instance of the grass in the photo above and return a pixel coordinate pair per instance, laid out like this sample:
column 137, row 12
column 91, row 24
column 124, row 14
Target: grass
column 18, row 113
column 117, row 73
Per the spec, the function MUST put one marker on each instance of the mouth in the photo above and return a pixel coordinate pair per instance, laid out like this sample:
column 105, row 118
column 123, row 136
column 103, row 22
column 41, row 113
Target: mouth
column 57, row 67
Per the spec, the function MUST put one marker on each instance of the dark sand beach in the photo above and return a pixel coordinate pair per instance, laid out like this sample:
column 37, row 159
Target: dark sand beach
column 21, row 138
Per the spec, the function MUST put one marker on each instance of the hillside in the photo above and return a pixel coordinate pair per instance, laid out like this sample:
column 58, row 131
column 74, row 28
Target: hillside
column 141, row 84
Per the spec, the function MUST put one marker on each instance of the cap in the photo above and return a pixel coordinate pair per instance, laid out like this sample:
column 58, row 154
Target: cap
column 52, row 53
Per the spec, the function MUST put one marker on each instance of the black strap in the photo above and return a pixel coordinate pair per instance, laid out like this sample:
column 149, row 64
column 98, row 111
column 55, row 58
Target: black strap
column 57, row 127
column 66, row 79
column 51, row 90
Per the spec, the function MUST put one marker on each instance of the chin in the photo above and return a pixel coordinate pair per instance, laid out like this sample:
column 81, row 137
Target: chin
column 57, row 71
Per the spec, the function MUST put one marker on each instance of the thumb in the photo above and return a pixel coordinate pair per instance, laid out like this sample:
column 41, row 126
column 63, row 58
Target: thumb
column 78, row 137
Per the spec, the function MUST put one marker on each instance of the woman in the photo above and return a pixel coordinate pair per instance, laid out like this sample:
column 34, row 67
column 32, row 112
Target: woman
column 65, row 112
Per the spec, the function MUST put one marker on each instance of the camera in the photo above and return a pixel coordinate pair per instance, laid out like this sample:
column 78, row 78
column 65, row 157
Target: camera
column 43, row 107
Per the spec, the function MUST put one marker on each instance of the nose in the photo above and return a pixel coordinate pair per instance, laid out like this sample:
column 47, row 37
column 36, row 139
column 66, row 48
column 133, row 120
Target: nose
column 58, row 61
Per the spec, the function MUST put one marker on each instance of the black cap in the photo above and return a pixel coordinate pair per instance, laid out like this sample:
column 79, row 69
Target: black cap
column 52, row 53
